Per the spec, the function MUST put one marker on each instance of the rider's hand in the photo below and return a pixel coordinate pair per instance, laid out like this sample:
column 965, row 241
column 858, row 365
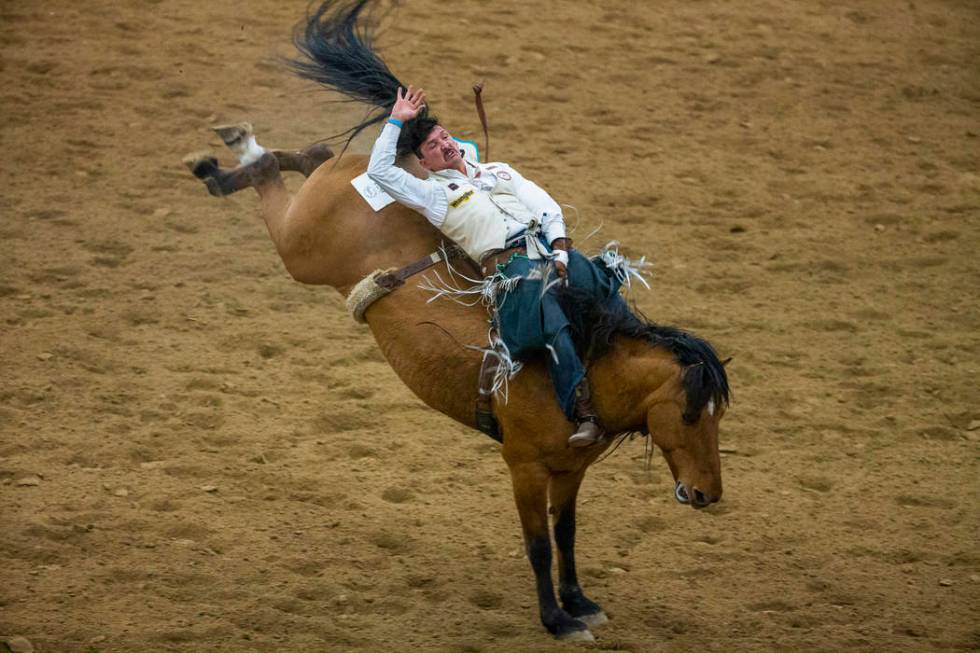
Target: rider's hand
column 407, row 106
column 560, row 253
column 561, row 270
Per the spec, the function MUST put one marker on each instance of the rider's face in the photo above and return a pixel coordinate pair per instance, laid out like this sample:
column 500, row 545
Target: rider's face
column 439, row 151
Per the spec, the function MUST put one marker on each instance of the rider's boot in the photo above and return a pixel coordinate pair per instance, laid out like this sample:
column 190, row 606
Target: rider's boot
column 588, row 429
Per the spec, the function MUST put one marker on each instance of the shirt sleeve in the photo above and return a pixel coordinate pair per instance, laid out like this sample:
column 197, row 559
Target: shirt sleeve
column 541, row 204
column 425, row 196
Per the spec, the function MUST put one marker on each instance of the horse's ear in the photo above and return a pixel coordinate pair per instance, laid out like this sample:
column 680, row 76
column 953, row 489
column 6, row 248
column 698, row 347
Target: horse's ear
column 728, row 360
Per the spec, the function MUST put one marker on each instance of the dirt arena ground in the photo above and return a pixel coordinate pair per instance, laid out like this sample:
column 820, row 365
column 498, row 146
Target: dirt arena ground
column 199, row 454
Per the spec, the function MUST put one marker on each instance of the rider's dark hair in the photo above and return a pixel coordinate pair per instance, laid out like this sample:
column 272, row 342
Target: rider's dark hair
column 415, row 131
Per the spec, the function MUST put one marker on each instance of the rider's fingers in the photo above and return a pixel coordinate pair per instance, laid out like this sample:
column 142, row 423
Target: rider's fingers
column 398, row 95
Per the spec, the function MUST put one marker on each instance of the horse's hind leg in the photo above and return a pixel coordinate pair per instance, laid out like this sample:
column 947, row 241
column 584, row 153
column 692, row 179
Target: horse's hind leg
column 531, row 494
column 563, row 491
column 304, row 161
column 262, row 174
column 240, row 139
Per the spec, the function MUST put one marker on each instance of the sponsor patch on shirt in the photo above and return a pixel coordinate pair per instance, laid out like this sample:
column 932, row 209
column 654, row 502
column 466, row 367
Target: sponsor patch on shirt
column 500, row 174
column 462, row 199
column 453, row 187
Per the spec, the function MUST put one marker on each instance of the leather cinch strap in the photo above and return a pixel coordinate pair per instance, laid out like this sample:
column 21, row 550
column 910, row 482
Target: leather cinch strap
column 391, row 280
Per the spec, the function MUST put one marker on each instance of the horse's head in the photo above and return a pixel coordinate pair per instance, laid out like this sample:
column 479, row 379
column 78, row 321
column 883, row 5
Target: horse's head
column 691, row 449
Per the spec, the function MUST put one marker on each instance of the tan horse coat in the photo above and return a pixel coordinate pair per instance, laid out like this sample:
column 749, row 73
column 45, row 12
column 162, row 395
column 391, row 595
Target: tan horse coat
column 328, row 234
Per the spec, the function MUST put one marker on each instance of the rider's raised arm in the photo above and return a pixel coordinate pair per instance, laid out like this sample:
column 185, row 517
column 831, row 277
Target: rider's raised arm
column 544, row 207
column 426, row 197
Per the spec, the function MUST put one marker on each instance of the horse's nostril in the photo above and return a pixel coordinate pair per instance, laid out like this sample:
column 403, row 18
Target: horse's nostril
column 700, row 498
column 680, row 493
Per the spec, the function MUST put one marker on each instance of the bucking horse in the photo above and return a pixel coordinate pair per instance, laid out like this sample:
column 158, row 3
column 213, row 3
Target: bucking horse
column 659, row 381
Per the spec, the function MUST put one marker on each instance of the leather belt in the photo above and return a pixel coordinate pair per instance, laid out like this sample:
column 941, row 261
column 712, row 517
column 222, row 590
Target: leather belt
column 391, row 280
column 489, row 263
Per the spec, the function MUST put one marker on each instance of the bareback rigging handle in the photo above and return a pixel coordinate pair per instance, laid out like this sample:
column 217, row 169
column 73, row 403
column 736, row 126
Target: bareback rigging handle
column 477, row 92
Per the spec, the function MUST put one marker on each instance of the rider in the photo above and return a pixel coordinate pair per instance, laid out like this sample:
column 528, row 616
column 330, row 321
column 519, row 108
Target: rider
column 508, row 225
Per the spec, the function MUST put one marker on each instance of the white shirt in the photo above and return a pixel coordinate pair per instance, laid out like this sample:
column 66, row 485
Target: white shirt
column 428, row 197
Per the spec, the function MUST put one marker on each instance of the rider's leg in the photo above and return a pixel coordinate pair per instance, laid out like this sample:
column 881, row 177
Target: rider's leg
column 531, row 320
column 593, row 276
column 568, row 375
column 589, row 428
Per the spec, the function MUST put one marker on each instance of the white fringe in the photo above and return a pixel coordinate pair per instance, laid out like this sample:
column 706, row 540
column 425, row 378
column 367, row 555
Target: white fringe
column 507, row 367
column 623, row 268
column 541, row 273
column 486, row 291
column 480, row 292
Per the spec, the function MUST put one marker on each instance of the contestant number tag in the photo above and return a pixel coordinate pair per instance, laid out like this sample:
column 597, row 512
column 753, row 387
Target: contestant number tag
column 371, row 192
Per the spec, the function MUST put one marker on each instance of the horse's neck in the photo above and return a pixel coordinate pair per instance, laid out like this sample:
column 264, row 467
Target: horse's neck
column 629, row 379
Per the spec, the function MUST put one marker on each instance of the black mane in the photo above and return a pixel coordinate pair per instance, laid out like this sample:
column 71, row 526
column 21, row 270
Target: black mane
column 595, row 324
column 337, row 53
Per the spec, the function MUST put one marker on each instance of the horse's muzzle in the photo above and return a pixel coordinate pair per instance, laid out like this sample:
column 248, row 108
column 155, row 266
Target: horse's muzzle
column 697, row 498
column 680, row 493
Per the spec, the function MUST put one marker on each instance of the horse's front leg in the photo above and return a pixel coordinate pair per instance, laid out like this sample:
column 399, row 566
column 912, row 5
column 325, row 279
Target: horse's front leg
column 531, row 494
column 564, row 491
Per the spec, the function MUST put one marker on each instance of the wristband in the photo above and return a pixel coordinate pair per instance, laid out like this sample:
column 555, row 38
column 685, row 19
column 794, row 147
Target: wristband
column 396, row 122
column 561, row 255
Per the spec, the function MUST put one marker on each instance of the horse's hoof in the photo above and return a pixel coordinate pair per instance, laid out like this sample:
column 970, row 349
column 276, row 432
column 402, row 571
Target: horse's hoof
column 235, row 134
column 594, row 620
column 214, row 187
column 201, row 164
column 577, row 636
column 566, row 627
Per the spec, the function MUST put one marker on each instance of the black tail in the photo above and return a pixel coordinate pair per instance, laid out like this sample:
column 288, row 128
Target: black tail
column 595, row 324
column 337, row 53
